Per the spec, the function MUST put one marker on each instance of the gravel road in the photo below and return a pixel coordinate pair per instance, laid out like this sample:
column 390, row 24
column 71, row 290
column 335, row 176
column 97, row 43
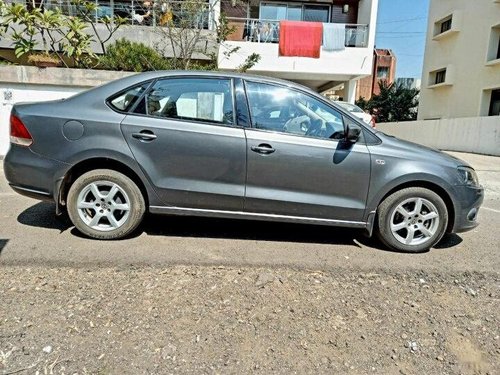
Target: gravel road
column 219, row 320
column 197, row 296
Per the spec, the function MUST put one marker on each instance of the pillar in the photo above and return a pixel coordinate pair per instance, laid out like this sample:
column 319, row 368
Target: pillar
column 350, row 91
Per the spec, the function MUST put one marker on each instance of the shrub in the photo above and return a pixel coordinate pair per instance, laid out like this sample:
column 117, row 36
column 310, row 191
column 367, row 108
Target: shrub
column 131, row 56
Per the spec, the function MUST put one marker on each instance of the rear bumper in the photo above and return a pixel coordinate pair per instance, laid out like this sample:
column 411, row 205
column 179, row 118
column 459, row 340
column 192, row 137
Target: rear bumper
column 467, row 207
column 31, row 174
column 32, row 193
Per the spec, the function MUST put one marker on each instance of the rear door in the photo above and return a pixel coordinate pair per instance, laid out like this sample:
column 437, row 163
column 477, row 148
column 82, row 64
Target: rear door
column 183, row 134
column 304, row 169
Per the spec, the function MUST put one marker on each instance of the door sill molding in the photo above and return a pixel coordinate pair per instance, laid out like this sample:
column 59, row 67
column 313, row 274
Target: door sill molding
column 254, row 216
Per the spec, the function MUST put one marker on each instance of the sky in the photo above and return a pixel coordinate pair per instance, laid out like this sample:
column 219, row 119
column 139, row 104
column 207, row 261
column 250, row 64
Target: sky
column 401, row 26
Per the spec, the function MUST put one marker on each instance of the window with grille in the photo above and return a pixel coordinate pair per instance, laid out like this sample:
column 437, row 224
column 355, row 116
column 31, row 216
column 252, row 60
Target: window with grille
column 440, row 77
column 446, row 25
column 495, row 103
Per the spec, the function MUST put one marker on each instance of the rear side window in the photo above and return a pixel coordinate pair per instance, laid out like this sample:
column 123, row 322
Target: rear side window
column 202, row 99
column 125, row 100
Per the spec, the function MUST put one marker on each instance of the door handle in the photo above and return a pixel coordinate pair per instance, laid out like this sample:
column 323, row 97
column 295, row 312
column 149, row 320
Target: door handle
column 263, row 148
column 145, row 135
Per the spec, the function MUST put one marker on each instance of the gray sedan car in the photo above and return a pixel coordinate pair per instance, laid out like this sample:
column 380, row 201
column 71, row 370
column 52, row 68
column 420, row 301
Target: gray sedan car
column 232, row 146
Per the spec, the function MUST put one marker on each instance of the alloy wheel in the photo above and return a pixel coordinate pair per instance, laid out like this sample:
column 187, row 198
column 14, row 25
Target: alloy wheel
column 414, row 221
column 103, row 205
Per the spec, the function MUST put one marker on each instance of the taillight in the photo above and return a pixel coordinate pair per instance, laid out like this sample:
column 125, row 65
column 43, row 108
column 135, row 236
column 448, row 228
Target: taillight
column 19, row 134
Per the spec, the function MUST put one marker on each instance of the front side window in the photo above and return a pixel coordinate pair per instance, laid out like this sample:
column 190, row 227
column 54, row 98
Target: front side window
column 284, row 110
column 201, row 99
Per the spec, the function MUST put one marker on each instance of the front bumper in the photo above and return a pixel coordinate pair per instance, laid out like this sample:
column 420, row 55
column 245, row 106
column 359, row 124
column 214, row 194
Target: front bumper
column 467, row 204
column 31, row 174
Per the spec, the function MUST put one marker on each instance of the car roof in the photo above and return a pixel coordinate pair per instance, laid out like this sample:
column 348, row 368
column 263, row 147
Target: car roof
column 202, row 73
column 120, row 84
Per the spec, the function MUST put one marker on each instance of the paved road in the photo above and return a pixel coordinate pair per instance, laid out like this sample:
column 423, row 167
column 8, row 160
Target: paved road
column 30, row 234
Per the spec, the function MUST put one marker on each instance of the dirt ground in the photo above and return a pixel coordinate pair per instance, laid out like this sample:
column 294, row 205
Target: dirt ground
column 218, row 320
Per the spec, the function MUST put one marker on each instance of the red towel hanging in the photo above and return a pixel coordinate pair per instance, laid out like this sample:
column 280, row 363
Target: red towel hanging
column 298, row 38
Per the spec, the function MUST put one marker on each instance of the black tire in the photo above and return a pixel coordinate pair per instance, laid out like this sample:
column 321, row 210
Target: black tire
column 414, row 227
column 127, row 195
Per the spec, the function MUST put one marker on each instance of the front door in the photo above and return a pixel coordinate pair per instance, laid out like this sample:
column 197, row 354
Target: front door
column 304, row 169
column 182, row 133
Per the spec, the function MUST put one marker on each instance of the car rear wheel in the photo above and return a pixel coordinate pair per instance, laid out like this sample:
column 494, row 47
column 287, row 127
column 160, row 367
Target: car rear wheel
column 105, row 204
column 412, row 220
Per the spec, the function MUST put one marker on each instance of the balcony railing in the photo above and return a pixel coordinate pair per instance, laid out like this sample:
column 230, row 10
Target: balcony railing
column 136, row 12
column 268, row 31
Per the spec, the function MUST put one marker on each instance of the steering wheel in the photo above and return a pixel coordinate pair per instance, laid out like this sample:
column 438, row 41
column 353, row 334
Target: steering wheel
column 315, row 128
column 297, row 125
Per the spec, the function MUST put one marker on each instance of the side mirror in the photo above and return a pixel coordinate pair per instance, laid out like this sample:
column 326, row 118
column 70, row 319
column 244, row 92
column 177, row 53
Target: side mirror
column 352, row 133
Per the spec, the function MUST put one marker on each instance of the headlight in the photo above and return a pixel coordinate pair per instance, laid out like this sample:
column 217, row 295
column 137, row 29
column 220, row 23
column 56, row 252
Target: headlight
column 468, row 176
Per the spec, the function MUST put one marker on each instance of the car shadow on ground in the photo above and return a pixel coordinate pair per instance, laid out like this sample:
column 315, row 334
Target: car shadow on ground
column 43, row 215
column 3, row 242
column 184, row 226
column 448, row 241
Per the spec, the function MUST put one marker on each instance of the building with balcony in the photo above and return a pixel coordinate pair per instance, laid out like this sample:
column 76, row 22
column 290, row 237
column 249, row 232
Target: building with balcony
column 461, row 73
column 344, row 53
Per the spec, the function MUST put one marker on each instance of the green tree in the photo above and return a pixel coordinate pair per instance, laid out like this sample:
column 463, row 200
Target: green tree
column 362, row 103
column 86, row 13
column 61, row 35
column 24, row 37
column 183, row 35
column 394, row 103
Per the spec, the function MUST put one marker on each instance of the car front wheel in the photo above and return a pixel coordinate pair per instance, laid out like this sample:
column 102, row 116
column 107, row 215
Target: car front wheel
column 105, row 204
column 412, row 220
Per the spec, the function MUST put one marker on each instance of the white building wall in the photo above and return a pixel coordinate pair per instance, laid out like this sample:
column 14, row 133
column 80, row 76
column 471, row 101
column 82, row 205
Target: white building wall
column 31, row 84
column 463, row 51
column 367, row 14
column 479, row 135
column 15, row 93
